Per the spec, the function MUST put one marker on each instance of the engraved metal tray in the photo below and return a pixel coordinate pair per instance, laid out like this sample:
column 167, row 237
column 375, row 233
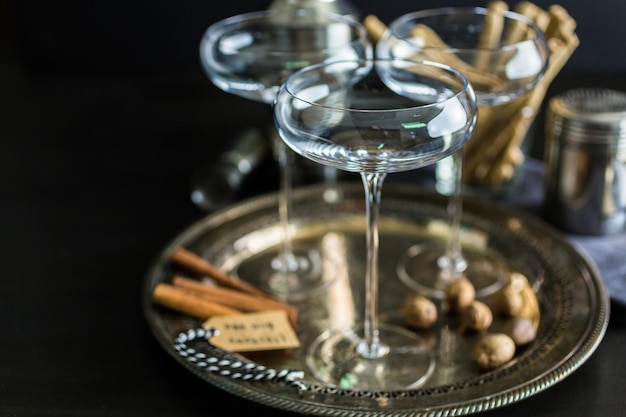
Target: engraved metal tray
column 573, row 299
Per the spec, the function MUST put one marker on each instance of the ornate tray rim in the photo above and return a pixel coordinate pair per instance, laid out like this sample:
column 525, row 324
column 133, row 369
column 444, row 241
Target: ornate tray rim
column 273, row 397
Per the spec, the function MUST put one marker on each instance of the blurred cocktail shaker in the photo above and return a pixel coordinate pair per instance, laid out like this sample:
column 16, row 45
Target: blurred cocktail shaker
column 216, row 185
column 323, row 7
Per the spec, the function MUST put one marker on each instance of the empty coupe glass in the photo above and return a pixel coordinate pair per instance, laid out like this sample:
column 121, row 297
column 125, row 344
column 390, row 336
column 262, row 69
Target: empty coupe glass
column 250, row 55
column 504, row 55
column 374, row 118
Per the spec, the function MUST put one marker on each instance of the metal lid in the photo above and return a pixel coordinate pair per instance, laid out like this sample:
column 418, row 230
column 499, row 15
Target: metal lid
column 590, row 115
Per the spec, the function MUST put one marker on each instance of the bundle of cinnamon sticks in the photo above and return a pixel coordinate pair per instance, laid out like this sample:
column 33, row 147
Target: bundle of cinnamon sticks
column 495, row 151
column 228, row 295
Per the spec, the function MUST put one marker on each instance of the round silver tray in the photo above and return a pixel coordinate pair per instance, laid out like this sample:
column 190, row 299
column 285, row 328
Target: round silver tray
column 573, row 299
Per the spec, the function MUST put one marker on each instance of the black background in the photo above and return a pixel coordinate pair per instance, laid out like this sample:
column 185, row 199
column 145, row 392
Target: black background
column 105, row 115
column 117, row 35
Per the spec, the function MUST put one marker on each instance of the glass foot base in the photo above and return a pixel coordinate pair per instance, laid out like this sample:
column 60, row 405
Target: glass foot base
column 402, row 360
column 291, row 278
column 420, row 268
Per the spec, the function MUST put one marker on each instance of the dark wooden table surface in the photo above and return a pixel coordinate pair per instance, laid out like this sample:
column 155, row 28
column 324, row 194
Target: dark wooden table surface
column 95, row 182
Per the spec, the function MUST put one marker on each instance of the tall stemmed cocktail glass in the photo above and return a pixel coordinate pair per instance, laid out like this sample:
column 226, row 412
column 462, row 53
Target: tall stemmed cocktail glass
column 374, row 118
column 250, row 55
column 504, row 55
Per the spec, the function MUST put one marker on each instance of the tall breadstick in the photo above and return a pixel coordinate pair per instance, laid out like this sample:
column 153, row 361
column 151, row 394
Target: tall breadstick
column 374, row 27
column 491, row 33
column 496, row 162
column 561, row 25
column 534, row 13
column 559, row 56
column 518, row 29
column 491, row 120
column 435, row 49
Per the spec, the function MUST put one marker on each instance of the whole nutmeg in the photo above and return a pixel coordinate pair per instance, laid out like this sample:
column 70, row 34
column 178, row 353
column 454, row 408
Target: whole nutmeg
column 477, row 316
column 509, row 301
column 531, row 309
column 518, row 299
column 460, row 293
column 494, row 350
column 521, row 330
column 420, row 312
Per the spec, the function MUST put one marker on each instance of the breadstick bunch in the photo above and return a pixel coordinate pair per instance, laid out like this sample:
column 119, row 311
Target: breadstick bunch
column 495, row 151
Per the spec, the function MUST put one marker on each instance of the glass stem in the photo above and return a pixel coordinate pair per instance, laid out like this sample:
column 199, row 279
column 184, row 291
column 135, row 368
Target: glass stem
column 452, row 263
column 285, row 162
column 371, row 347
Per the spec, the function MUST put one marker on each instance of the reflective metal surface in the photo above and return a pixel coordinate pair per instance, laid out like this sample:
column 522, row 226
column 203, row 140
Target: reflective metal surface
column 573, row 300
column 586, row 161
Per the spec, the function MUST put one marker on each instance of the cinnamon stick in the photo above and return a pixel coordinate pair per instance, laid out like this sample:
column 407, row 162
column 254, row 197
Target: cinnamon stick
column 195, row 263
column 183, row 301
column 233, row 298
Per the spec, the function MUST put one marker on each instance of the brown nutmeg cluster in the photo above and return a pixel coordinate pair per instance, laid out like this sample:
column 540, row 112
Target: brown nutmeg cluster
column 516, row 300
column 516, row 305
column 492, row 350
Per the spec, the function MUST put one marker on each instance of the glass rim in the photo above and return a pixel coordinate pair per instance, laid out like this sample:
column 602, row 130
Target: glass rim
column 539, row 35
column 218, row 29
column 464, row 82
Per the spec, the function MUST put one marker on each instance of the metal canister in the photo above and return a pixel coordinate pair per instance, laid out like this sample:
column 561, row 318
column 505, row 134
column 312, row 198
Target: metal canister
column 585, row 154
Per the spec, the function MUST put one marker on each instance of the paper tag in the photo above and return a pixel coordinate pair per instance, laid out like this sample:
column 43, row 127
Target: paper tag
column 250, row 332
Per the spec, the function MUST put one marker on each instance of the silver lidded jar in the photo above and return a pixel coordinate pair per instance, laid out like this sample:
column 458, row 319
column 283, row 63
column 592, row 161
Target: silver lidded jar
column 585, row 154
